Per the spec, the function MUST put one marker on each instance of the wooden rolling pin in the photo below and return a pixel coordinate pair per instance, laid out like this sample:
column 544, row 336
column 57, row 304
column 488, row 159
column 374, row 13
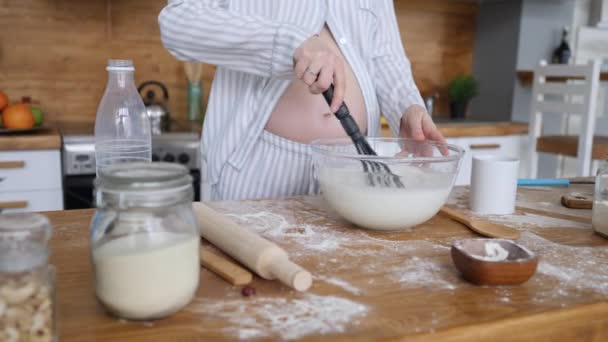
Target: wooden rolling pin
column 261, row 256
column 228, row 270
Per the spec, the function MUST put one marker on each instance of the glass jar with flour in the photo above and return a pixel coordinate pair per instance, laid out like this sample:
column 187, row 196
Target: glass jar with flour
column 145, row 240
column 599, row 219
column 27, row 281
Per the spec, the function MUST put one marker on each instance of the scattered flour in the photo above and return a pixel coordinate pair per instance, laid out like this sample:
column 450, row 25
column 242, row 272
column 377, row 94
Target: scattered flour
column 537, row 221
column 289, row 318
column 276, row 227
column 574, row 268
column 341, row 283
column 424, row 272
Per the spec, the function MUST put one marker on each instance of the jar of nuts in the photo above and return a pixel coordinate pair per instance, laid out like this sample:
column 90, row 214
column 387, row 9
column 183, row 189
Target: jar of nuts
column 26, row 279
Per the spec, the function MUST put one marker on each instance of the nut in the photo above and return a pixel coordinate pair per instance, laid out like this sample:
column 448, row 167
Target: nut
column 17, row 294
column 248, row 291
column 26, row 308
column 2, row 308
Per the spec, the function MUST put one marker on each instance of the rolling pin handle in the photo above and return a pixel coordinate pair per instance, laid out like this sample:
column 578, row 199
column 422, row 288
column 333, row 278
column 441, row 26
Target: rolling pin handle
column 291, row 274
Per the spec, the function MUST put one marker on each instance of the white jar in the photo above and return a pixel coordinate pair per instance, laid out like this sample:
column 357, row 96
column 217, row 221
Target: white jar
column 599, row 219
column 145, row 240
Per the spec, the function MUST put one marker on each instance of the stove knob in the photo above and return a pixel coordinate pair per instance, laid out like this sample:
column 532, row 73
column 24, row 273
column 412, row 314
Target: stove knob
column 183, row 158
column 169, row 158
column 155, row 157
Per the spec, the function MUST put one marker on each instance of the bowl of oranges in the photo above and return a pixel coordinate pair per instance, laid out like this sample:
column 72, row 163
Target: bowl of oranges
column 19, row 117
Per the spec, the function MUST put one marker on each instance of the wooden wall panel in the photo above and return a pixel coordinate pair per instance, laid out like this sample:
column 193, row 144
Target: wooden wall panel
column 56, row 51
column 439, row 37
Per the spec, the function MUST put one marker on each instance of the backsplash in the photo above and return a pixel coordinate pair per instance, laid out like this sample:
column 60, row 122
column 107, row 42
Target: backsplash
column 56, row 51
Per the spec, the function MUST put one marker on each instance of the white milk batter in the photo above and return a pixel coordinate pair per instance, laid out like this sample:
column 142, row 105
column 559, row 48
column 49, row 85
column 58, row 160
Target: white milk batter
column 148, row 275
column 379, row 208
column 599, row 220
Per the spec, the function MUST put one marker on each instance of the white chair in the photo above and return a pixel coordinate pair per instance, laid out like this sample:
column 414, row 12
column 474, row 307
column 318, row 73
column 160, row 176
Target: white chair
column 591, row 43
column 555, row 93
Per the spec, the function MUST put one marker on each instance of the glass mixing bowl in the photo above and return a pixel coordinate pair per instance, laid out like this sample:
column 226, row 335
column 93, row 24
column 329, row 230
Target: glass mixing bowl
column 425, row 170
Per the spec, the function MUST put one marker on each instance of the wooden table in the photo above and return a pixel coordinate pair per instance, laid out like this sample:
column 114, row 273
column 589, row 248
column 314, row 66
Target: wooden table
column 368, row 285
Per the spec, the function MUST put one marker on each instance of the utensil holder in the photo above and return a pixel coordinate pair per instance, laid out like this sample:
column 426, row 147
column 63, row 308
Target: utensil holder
column 195, row 101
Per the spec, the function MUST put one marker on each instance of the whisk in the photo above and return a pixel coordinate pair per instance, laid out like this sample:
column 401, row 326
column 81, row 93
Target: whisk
column 378, row 174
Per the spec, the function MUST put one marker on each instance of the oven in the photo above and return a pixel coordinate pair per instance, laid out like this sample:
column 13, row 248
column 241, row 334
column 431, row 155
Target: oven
column 78, row 159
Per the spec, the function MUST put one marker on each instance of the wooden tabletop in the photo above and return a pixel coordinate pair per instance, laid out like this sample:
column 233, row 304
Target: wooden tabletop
column 46, row 139
column 368, row 285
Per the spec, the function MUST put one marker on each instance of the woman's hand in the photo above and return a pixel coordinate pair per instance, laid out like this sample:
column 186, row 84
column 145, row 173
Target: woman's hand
column 417, row 124
column 318, row 66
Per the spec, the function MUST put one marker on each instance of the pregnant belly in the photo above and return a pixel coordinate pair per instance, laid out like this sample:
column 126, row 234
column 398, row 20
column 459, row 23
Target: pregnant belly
column 304, row 117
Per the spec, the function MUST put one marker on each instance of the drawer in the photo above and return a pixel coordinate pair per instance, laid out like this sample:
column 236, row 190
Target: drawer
column 25, row 201
column 30, row 170
column 507, row 146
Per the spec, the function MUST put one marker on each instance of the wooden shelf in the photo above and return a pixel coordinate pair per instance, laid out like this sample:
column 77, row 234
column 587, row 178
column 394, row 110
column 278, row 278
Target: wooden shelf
column 526, row 76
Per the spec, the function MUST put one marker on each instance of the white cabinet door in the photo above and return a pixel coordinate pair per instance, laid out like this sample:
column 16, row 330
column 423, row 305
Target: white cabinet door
column 43, row 200
column 509, row 146
column 30, row 170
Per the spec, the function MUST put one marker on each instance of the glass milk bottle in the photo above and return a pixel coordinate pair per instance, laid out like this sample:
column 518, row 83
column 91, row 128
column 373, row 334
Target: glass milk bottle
column 599, row 219
column 145, row 240
column 27, row 281
column 122, row 127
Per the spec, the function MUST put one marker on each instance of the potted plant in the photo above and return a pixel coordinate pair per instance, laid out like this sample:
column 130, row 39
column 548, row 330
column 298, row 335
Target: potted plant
column 461, row 90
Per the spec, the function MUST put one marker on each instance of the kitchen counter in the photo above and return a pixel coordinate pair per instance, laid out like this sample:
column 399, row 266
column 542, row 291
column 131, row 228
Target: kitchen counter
column 466, row 128
column 367, row 285
column 45, row 139
column 75, row 128
column 526, row 77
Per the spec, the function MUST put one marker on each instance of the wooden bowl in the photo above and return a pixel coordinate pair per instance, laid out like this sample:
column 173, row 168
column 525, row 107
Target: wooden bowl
column 493, row 261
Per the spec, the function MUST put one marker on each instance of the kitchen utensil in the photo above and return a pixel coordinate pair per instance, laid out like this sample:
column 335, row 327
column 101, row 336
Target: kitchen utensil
column 484, row 228
column 554, row 182
column 194, row 72
column 426, row 169
column 379, row 174
column 493, row 261
column 158, row 112
column 493, row 185
column 223, row 267
column 577, row 200
column 263, row 257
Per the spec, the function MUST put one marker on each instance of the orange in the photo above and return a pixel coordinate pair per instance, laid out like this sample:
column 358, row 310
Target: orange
column 18, row 116
column 3, row 100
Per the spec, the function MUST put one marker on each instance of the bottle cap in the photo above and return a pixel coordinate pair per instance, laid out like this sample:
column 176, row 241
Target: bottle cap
column 120, row 65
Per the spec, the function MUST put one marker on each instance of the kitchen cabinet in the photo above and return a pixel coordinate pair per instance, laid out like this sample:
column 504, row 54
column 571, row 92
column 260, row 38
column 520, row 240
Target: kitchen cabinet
column 30, row 180
column 513, row 146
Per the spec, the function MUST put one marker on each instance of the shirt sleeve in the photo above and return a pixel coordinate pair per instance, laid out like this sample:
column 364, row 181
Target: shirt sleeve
column 395, row 86
column 207, row 31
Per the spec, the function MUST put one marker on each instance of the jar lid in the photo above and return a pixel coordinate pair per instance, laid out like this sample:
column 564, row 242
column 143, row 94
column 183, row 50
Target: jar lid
column 145, row 184
column 23, row 241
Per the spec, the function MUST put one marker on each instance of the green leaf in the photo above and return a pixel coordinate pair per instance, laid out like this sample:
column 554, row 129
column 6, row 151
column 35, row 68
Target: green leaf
column 463, row 88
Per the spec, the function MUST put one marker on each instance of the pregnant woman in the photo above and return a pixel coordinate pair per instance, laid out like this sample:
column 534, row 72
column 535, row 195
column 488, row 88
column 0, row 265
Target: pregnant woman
column 274, row 58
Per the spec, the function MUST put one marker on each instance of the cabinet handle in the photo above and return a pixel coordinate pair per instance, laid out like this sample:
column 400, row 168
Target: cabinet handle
column 12, row 164
column 484, row 146
column 13, row 205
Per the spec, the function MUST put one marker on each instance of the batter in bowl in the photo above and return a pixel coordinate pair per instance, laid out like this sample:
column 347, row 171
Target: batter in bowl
column 380, row 208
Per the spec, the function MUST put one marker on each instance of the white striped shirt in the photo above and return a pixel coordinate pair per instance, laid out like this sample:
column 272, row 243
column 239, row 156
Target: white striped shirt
column 252, row 43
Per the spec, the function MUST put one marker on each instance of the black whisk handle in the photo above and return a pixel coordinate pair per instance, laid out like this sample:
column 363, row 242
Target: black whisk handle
column 343, row 114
